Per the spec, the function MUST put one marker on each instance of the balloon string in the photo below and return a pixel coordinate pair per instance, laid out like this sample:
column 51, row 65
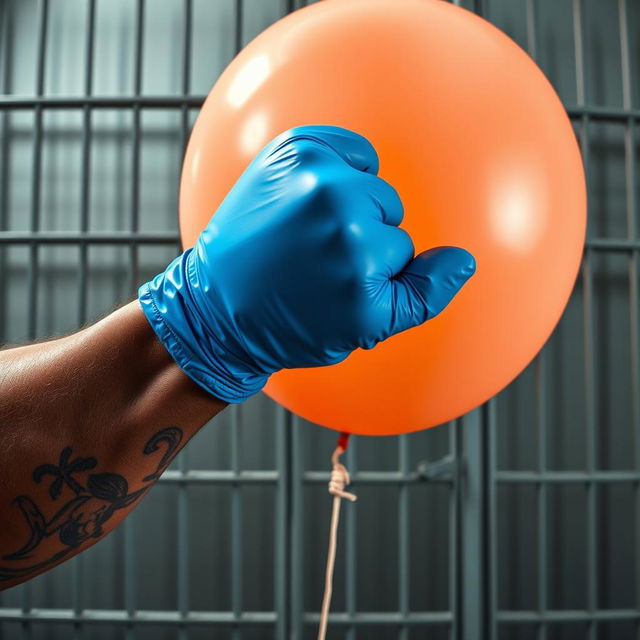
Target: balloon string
column 339, row 479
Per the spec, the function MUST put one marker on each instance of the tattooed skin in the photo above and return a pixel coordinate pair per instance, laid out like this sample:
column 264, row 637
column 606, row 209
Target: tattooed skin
column 93, row 503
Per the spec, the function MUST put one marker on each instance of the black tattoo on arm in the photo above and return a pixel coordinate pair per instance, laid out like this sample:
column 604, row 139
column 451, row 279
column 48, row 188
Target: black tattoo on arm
column 172, row 437
column 87, row 508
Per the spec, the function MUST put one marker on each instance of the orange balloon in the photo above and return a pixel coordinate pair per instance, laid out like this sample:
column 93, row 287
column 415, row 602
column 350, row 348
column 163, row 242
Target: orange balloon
column 480, row 149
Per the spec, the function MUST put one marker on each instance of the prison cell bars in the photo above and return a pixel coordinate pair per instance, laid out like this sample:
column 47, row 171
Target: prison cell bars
column 592, row 478
column 632, row 185
column 290, row 478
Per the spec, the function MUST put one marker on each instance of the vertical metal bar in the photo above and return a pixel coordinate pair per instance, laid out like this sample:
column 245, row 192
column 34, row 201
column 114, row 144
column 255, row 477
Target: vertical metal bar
column 541, row 488
column 473, row 542
column 37, row 171
column 590, row 390
column 578, row 42
column 135, row 168
column 282, row 573
column 476, row 605
column 625, row 49
column 186, row 69
column 589, row 345
column 186, row 47
column 239, row 24
column 26, row 603
column 455, row 586
column 631, row 180
column 129, row 537
column 129, row 576
column 236, row 523
column 182, row 541
column 86, row 163
column 352, row 550
column 532, row 41
column 182, row 554
column 351, row 567
column 7, row 41
column 481, row 8
column 78, row 562
column 634, row 305
column 541, row 409
column 403, row 537
column 296, row 466
column 139, row 46
column 631, row 186
column 236, row 504
column 492, row 515
column 183, row 489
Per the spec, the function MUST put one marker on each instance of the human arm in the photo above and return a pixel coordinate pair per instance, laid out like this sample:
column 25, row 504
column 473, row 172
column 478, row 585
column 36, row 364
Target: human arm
column 91, row 401
column 302, row 263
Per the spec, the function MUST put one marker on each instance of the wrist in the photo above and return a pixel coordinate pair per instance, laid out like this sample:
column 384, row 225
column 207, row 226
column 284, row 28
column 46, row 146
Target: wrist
column 198, row 341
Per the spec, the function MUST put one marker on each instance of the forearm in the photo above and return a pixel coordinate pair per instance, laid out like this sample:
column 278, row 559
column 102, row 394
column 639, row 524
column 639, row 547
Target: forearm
column 105, row 410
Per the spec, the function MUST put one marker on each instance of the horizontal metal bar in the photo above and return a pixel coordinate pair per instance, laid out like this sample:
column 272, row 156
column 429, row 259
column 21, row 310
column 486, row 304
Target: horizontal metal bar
column 568, row 615
column 271, row 477
column 376, row 477
column 111, row 616
column 195, row 101
column 94, row 237
column 101, row 102
column 383, row 618
column 534, row 477
column 612, row 244
column 383, row 477
column 219, row 477
column 612, row 114
column 171, row 237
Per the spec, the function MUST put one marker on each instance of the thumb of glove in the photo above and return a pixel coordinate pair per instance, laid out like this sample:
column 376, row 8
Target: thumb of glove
column 427, row 285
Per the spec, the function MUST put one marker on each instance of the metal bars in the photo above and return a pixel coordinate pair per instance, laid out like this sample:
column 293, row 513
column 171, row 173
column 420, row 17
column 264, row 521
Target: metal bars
column 632, row 195
column 5, row 76
column 34, row 227
column 182, row 539
column 17, row 103
column 352, row 619
column 129, row 524
column 541, row 409
column 593, row 478
column 473, row 563
column 77, row 585
column 135, row 146
column 37, row 167
column 86, row 163
column 236, row 522
column 404, row 524
column 169, row 238
column 351, row 537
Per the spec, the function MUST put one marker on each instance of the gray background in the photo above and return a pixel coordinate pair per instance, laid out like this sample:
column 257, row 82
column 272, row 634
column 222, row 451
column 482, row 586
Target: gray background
column 528, row 524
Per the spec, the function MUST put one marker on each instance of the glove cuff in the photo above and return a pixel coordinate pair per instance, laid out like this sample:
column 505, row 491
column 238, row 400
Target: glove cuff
column 197, row 348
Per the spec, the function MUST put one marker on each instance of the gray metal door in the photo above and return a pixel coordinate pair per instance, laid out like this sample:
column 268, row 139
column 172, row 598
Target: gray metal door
column 521, row 520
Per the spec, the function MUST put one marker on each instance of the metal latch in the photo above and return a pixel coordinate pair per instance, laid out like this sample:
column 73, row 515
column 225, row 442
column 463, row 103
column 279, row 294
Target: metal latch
column 445, row 468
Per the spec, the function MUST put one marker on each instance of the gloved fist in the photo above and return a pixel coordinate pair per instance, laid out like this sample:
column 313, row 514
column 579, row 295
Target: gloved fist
column 302, row 263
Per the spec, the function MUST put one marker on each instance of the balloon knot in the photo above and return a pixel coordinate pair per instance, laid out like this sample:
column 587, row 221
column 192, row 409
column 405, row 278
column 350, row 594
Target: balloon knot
column 340, row 478
column 343, row 441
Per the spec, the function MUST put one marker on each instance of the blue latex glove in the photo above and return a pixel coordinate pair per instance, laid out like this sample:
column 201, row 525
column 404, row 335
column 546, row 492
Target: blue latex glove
column 302, row 263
